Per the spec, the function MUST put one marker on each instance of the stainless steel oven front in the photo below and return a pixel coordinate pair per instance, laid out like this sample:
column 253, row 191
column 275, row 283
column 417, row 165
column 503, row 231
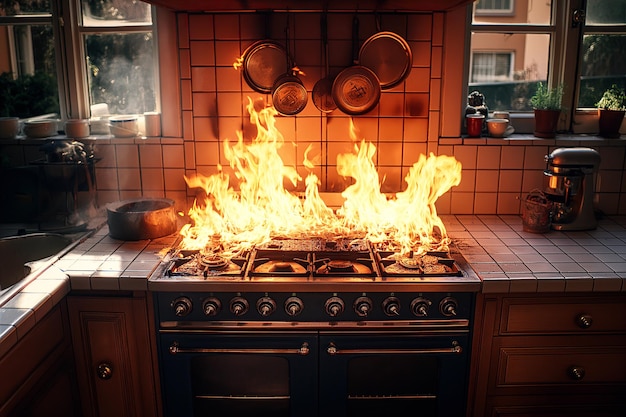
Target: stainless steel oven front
column 390, row 361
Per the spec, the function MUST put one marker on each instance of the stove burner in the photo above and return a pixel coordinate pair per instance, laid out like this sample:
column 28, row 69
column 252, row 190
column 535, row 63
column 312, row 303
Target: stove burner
column 213, row 262
column 429, row 264
column 342, row 266
column 280, row 267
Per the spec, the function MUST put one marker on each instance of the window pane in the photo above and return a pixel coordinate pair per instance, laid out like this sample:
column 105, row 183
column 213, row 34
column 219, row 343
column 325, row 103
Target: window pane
column 115, row 13
column 606, row 12
column 28, row 83
column 13, row 8
column 512, row 12
column 506, row 67
column 121, row 72
column 603, row 64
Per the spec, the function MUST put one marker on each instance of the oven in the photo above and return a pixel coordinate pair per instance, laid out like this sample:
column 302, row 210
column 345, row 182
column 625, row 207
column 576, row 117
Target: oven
column 307, row 353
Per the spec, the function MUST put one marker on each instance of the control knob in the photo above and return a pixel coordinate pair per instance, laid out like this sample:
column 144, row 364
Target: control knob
column 211, row 306
column 419, row 306
column 391, row 306
column 334, row 306
column 182, row 306
column 265, row 306
column 363, row 306
column 448, row 307
column 239, row 306
column 293, row 306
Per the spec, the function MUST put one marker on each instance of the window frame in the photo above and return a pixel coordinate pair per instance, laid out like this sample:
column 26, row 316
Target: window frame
column 65, row 18
column 77, row 92
column 563, row 61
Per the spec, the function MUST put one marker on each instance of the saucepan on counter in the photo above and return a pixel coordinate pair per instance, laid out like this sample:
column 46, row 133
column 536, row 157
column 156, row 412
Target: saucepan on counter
column 142, row 218
column 356, row 89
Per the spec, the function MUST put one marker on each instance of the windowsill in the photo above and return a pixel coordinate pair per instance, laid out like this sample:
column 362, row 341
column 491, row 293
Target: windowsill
column 568, row 139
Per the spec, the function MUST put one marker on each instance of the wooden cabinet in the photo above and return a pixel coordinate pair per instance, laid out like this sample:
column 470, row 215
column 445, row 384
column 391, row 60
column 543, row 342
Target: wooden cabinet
column 114, row 355
column 549, row 355
column 37, row 376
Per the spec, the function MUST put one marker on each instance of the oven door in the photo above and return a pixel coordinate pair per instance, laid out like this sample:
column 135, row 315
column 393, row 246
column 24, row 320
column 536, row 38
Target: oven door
column 230, row 374
column 389, row 374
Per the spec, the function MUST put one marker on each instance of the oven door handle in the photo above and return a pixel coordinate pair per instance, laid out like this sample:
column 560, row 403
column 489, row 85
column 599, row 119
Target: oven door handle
column 333, row 350
column 302, row 350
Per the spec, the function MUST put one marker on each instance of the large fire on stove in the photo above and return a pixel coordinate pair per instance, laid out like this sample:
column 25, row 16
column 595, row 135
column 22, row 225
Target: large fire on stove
column 232, row 218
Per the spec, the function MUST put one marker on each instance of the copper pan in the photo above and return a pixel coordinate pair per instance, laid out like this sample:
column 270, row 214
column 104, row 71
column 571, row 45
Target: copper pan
column 263, row 62
column 289, row 96
column 356, row 89
column 389, row 56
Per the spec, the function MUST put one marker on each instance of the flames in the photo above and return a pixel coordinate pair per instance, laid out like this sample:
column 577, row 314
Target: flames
column 230, row 221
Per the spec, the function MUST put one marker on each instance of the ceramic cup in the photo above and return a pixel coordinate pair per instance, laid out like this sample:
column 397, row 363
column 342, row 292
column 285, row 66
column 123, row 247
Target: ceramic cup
column 474, row 124
column 152, row 124
column 77, row 128
column 9, row 127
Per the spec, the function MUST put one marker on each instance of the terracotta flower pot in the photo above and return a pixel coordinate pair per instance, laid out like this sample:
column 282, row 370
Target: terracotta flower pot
column 546, row 122
column 609, row 122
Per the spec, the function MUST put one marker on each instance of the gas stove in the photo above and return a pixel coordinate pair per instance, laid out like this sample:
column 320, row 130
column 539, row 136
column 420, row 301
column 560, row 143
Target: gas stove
column 315, row 263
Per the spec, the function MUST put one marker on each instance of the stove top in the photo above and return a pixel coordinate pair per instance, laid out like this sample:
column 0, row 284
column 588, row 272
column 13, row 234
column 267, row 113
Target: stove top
column 316, row 261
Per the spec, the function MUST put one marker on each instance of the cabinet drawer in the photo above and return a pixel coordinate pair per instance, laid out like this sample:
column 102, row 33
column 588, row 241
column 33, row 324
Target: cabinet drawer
column 577, row 315
column 566, row 362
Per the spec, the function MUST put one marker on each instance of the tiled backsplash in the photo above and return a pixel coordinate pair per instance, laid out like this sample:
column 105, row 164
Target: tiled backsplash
column 497, row 173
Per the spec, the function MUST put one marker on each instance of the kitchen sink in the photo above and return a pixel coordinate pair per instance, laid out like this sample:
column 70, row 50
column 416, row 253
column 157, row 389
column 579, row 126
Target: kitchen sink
column 22, row 255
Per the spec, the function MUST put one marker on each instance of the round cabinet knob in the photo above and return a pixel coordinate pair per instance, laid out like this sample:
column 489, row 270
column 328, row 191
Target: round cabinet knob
column 239, row 306
column 391, row 306
column 419, row 306
column 448, row 307
column 211, row 306
column 584, row 321
column 576, row 372
column 293, row 306
column 181, row 306
column 363, row 306
column 104, row 371
column 334, row 306
column 265, row 306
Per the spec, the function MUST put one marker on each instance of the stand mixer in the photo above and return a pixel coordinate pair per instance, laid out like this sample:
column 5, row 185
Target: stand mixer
column 570, row 186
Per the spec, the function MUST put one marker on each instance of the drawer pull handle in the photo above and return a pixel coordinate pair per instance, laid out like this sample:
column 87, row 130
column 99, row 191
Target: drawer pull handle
column 104, row 371
column 584, row 321
column 576, row 372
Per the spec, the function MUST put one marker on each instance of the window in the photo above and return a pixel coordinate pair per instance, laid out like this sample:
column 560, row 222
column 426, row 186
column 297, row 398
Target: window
column 28, row 79
column 494, row 7
column 491, row 66
column 579, row 44
column 102, row 61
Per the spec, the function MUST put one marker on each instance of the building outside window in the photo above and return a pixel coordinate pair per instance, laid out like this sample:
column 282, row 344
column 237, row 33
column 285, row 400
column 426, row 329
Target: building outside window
column 579, row 44
column 54, row 61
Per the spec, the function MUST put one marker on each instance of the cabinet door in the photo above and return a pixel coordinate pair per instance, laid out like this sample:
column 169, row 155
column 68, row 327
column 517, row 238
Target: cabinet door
column 113, row 356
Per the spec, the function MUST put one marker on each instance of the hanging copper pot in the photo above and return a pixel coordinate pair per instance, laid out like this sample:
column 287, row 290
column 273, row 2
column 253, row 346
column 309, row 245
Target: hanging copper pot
column 356, row 89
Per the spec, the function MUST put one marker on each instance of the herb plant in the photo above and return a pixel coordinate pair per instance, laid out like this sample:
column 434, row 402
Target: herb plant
column 547, row 98
column 613, row 99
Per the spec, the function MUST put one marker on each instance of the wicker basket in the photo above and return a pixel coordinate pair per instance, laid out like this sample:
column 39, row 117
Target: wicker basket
column 536, row 212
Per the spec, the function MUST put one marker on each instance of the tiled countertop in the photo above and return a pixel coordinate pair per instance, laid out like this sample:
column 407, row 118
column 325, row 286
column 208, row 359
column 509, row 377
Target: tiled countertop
column 506, row 258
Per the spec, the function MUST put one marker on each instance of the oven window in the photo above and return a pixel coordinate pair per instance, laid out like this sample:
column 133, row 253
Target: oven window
column 240, row 385
column 390, row 385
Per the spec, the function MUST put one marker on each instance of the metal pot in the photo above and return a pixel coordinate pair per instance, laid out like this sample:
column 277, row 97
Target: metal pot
column 389, row 56
column 263, row 62
column 356, row 89
column 140, row 219
column 289, row 96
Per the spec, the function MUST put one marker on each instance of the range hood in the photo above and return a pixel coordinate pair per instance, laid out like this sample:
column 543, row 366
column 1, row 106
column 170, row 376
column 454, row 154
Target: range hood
column 310, row 5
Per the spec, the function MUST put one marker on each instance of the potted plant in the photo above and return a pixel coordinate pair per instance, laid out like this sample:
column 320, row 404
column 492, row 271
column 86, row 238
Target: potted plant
column 546, row 103
column 611, row 110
